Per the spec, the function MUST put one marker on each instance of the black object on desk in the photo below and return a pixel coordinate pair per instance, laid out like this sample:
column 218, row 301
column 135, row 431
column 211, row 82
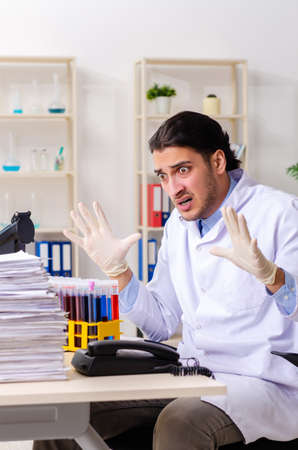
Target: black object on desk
column 291, row 357
column 14, row 236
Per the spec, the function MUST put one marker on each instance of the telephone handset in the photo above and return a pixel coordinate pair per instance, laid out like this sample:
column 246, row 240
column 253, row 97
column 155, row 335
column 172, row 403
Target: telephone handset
column 123, row 357
column 128, row 357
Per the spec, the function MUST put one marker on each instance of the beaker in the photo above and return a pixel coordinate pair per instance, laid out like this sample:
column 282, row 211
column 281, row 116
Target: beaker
column 11, row 163
column 56, row 106
column 35, row 160
column 36, row 106
column 44, row 160
column 16, row 100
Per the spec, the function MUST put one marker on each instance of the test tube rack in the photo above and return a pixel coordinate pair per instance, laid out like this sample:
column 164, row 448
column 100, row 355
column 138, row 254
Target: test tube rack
column 91, row 308
column 81, row 333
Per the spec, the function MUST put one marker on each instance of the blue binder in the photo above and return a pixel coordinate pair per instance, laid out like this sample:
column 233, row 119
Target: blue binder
column 165, row 208
column 66, row 259
column 152, row 257
column 56, row 259
column 44, row 251
column 140, row 259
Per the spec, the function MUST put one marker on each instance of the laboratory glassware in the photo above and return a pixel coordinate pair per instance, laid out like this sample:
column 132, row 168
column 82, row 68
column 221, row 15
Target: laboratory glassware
column 56, row 106
column 11, row 163
column 44, row 159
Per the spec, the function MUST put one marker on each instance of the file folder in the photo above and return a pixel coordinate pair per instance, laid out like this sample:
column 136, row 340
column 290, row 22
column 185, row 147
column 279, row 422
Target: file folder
column 152, row 257
column 165, row 205
column 56, row 259
column 140, row 258
column 154, row 205
column 43, row 250
column 154, row 194
column 66, row 259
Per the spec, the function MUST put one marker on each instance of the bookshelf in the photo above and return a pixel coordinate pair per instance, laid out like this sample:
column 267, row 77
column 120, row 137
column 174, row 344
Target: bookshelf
column 55, row 192
column 193, row 79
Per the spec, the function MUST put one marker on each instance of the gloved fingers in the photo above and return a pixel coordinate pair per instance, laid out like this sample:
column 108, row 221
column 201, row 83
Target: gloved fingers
column 74, row 237
column 89, row 221
column 130, row 240
column 243, row 228
column 78, row 221
column 227, row 221
column 102, row 220
column 233, row 220
column 254, row 247
column 220, row 251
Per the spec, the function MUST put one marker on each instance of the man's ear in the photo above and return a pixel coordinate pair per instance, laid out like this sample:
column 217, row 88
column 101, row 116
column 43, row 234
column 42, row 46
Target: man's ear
column 218, row 161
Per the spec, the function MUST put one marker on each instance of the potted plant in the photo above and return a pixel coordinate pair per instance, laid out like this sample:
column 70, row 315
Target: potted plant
column 162, row 96
column 293, row 171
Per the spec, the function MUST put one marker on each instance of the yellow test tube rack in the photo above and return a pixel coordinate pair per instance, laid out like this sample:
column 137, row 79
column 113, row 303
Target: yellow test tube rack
column 80, row 333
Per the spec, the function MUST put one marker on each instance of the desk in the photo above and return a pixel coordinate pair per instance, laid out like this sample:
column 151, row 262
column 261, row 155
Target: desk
column 61, row 409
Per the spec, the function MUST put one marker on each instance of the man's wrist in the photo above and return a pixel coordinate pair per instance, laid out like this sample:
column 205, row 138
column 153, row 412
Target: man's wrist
column 278, row 282
column 123, row 279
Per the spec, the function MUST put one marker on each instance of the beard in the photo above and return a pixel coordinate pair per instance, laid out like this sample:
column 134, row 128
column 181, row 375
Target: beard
column 206, row 207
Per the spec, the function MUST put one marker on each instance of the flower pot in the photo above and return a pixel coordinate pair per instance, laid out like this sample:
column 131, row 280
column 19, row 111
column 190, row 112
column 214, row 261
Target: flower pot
column 163, row 105
column 211, row 106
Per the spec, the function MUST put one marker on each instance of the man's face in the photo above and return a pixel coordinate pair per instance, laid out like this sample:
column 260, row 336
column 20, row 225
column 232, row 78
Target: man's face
column 191, row 183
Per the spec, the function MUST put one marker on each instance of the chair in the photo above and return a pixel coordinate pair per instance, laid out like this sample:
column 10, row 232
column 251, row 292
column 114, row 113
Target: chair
column 263, row 444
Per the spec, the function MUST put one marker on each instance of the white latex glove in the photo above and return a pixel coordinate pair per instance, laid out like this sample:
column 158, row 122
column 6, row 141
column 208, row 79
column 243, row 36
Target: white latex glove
column 245, row 252
column 107, row 251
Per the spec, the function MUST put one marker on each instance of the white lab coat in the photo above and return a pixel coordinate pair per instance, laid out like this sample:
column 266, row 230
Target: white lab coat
column 229, row 321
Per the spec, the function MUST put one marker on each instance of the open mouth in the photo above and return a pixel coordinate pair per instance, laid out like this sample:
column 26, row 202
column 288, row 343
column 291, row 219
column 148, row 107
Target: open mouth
column 185, row 201
column 185, row 204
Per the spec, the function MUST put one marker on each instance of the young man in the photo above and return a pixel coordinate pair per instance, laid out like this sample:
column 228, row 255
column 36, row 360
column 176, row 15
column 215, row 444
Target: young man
column 235, row 296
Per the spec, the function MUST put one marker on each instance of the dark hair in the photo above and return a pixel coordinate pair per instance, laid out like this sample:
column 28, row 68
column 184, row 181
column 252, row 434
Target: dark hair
column 195, row 130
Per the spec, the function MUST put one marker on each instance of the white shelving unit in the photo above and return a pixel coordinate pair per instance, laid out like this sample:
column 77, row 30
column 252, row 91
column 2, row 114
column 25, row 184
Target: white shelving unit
column 57, row 190
column 193, row 79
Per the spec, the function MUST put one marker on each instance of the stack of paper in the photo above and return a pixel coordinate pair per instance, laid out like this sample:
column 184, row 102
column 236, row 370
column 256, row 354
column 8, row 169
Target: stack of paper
column 32, row 324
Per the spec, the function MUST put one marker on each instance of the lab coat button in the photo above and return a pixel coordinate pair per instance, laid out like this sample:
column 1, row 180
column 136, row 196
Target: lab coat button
column 203, row 290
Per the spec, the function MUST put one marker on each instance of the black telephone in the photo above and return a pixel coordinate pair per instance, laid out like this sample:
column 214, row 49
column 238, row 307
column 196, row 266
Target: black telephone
column 129, row 357
column 123, row 357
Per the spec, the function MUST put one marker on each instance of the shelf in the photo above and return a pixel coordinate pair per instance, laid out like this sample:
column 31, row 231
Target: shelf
column 167, row 116
column 35, row 116
column 229, row 76
column 52, row 230
column 56, row 190
column 142, row 228
column 30, row 175
column 191, row 62
column 36, row 59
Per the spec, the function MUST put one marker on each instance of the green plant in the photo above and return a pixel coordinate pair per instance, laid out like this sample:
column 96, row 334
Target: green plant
column 293, row 171
column 160, row 91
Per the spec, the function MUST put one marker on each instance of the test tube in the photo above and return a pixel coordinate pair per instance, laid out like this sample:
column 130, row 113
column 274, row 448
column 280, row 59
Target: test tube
column 97, row 304
column 115, row 302
column 103, row 306
column 72, row 301
column 109, row 303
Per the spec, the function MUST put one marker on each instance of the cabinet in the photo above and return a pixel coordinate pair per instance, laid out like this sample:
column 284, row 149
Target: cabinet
column 193, row 80
column 27, row 87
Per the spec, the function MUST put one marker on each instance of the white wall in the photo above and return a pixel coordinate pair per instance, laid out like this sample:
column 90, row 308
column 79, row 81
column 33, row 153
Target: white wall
column 108, row 36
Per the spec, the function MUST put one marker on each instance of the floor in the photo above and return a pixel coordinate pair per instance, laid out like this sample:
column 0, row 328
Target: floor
column 16, row 445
